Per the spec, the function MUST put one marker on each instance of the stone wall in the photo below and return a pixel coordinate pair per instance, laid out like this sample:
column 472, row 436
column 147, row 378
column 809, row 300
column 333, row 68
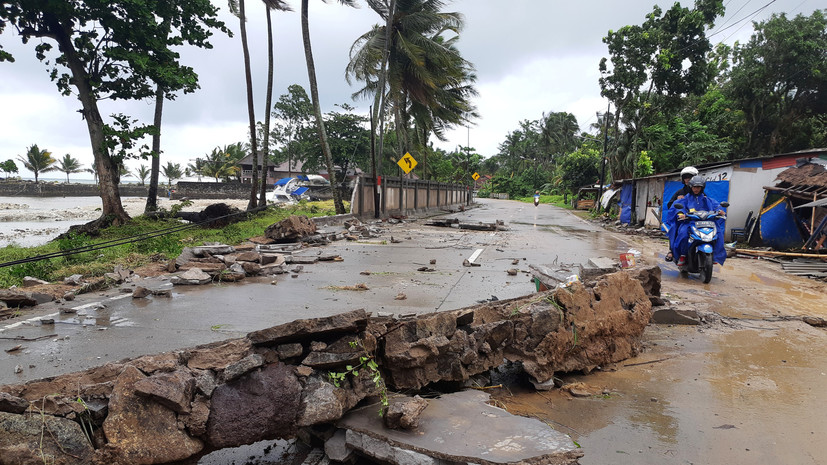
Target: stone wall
column 210, row 190
column 51, row 189
column 183, row 404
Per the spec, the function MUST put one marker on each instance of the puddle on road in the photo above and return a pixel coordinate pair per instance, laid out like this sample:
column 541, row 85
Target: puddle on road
column 736, row 397
column 788, row 288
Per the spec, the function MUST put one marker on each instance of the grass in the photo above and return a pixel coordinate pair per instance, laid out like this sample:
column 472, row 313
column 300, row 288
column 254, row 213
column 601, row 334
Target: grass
column 141, row 252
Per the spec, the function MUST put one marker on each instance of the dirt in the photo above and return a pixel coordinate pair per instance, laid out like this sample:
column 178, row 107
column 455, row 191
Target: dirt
column 738, row 389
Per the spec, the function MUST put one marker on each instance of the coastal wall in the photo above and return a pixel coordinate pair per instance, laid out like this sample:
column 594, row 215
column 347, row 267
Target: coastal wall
column 52, row 189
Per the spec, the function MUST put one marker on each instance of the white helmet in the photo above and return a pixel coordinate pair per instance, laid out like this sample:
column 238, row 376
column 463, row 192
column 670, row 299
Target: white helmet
column 690, row 171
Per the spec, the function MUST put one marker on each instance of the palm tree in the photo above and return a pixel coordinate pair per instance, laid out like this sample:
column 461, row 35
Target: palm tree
column 69, row 165
column 237, row 8
column 427, row 78
column 172, row 171
column 196, row 169
column 268, row 5
column 218, row 164
column 317, row 109
column 233, row 154
column 142, row 172
column 37, row 161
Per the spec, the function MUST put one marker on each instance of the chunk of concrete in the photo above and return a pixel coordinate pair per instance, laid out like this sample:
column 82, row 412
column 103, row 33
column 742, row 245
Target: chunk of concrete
column 336, row 447
column 480, row 433
column 674, row 316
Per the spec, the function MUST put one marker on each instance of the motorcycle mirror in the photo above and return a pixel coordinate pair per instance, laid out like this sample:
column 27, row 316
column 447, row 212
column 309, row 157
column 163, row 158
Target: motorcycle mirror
column 677, row 205
column 724, row 204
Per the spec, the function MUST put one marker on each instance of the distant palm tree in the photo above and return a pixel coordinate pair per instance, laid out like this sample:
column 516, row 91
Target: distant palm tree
column 142, row 172
column 196, row 169
column 37, row 161
column 172, row 171
column 69, row 165
column 233, row 154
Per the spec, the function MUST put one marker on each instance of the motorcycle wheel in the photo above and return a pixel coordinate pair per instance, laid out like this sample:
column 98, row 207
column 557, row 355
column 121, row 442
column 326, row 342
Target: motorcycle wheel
column 705, row 267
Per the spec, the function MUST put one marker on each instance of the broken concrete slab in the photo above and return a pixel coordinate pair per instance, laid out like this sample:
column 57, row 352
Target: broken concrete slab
column 349, row 322
column 478, row 432
column 193, row 276
column 674, row 316
column 216, row 249
column 290, row 229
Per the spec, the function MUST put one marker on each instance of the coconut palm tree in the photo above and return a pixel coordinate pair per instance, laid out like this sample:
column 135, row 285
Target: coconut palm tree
column 172, row 171
column 142, row 173
column 317, row 109
column 38, row 161
column 237, row 8
column 69, row 165
column 268, row 105
column 196, row 169
column 427, row 78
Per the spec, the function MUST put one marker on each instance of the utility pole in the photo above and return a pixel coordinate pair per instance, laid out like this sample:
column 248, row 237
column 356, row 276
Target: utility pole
column 603, row 158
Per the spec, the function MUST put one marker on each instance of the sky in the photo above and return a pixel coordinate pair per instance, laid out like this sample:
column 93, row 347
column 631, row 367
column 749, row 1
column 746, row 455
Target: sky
column 531, row 57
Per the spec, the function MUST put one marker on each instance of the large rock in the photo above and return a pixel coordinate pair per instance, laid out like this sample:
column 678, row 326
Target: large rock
column 142, row 432
column 22, row 441
column 259, row 405
column 291, row 229
column 192, row 276
column 218, row 356
column 17, row 298
column 173, row 390
column 12, row 404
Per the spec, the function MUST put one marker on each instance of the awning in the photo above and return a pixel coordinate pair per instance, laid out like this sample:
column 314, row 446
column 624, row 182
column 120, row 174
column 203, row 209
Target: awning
column 300, row 191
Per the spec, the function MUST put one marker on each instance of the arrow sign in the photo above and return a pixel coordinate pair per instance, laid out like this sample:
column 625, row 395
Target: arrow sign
column 407, row 163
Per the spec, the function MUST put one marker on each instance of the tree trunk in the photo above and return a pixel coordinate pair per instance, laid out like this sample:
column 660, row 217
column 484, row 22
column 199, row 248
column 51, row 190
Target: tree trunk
column 268, row 104
column 112, row 210
column 152, row 193
column 250, row 108
column 317, row 109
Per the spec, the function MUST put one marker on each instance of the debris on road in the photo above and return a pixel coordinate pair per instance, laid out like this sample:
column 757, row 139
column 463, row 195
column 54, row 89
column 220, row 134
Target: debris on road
column 357, row 287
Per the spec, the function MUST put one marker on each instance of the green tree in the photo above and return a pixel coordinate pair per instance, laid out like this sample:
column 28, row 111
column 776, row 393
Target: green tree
column 349, row 142
column 142, row 173
column 37, row 161
column 219, row 163
column 112, row 49
column 580, row 168
column 172, row 171
column 69, row 165
column 293, row 111
column 779, row 81
column 196, row 168
column 666, row 56
column 8, row 167
column 317, row 109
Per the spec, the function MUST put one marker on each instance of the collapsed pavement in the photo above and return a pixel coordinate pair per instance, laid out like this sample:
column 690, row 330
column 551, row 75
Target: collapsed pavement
column 275, row 383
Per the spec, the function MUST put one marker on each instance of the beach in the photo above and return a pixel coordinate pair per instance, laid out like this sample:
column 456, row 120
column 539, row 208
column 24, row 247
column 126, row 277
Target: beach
column 31, row 221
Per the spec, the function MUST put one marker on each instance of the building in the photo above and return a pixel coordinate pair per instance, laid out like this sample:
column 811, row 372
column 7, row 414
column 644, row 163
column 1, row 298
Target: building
column 739, row 182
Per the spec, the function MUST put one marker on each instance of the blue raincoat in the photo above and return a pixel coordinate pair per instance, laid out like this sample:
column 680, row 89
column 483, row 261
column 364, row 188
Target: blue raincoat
column 679, row 233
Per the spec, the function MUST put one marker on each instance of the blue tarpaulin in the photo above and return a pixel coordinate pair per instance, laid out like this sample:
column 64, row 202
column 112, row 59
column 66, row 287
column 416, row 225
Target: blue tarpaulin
column 300, row 191
column 626, row 202
column 282, row 181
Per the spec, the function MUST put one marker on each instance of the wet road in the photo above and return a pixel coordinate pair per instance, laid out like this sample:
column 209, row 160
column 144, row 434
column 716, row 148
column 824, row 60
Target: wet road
column 123, row 328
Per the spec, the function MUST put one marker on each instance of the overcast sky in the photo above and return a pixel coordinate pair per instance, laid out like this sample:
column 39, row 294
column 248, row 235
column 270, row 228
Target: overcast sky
column 531, row 56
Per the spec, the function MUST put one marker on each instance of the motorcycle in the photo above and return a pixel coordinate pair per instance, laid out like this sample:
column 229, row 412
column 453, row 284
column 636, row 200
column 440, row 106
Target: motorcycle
column 703, row 234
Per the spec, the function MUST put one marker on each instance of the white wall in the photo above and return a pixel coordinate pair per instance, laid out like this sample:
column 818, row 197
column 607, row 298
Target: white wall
column 746, row 193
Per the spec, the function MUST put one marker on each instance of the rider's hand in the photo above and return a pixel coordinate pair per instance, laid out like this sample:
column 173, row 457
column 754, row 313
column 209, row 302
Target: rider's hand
column 681, row 216
column 679, row 197
column 721, row 213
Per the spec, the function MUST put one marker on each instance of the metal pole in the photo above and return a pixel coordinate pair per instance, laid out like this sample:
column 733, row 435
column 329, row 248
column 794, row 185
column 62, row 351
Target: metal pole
column 603, row 158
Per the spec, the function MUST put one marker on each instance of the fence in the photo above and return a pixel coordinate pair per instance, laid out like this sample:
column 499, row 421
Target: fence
column 400, row 196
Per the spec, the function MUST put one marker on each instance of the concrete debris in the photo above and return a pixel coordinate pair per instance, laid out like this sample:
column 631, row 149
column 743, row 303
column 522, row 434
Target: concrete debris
column 425, row 268
column 400, row 296
column 404, row 412
column 512, row 271
column 291, row 229
column 74, row 280
column 815, row 321
column 478, row 432
column 214, row 249
column 432, row 261
column 29, row 281
column 193, row 276
column 176, row 406
column 675, row 316
column 357, row 287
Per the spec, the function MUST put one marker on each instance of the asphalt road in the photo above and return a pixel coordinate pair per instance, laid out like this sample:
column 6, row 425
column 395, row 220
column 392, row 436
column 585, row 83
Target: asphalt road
column 112, row 326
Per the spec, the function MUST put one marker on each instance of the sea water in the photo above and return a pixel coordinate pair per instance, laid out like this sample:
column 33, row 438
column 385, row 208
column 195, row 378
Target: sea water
column 31, row 221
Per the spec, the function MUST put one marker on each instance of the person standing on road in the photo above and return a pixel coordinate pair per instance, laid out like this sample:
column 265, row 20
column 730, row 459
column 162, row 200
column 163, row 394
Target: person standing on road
column 536, row 198
column 686, row 174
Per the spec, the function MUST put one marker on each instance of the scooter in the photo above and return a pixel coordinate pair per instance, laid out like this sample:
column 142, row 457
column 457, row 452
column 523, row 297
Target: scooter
column 703, row 232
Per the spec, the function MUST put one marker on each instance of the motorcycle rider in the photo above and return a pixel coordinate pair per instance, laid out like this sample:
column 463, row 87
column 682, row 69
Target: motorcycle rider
column 686, row 174
column 696, row 201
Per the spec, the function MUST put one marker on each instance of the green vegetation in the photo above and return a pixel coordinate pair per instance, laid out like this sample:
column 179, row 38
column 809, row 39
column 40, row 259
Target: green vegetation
column 366, row 362
column 138, row 253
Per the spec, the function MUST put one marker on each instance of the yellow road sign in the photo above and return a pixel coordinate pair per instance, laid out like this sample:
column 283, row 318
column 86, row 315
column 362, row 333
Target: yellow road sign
column 407, row 163
column 475, row 176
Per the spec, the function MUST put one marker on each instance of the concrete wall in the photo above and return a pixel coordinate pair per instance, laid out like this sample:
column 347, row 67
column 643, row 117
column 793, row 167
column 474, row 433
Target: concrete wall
column 401, row 196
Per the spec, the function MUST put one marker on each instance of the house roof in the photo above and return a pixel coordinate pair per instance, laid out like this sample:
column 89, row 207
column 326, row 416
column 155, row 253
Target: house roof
column 811, row 175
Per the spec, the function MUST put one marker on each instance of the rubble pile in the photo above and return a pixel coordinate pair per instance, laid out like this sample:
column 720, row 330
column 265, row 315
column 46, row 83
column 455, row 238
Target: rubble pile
column 279, row 381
